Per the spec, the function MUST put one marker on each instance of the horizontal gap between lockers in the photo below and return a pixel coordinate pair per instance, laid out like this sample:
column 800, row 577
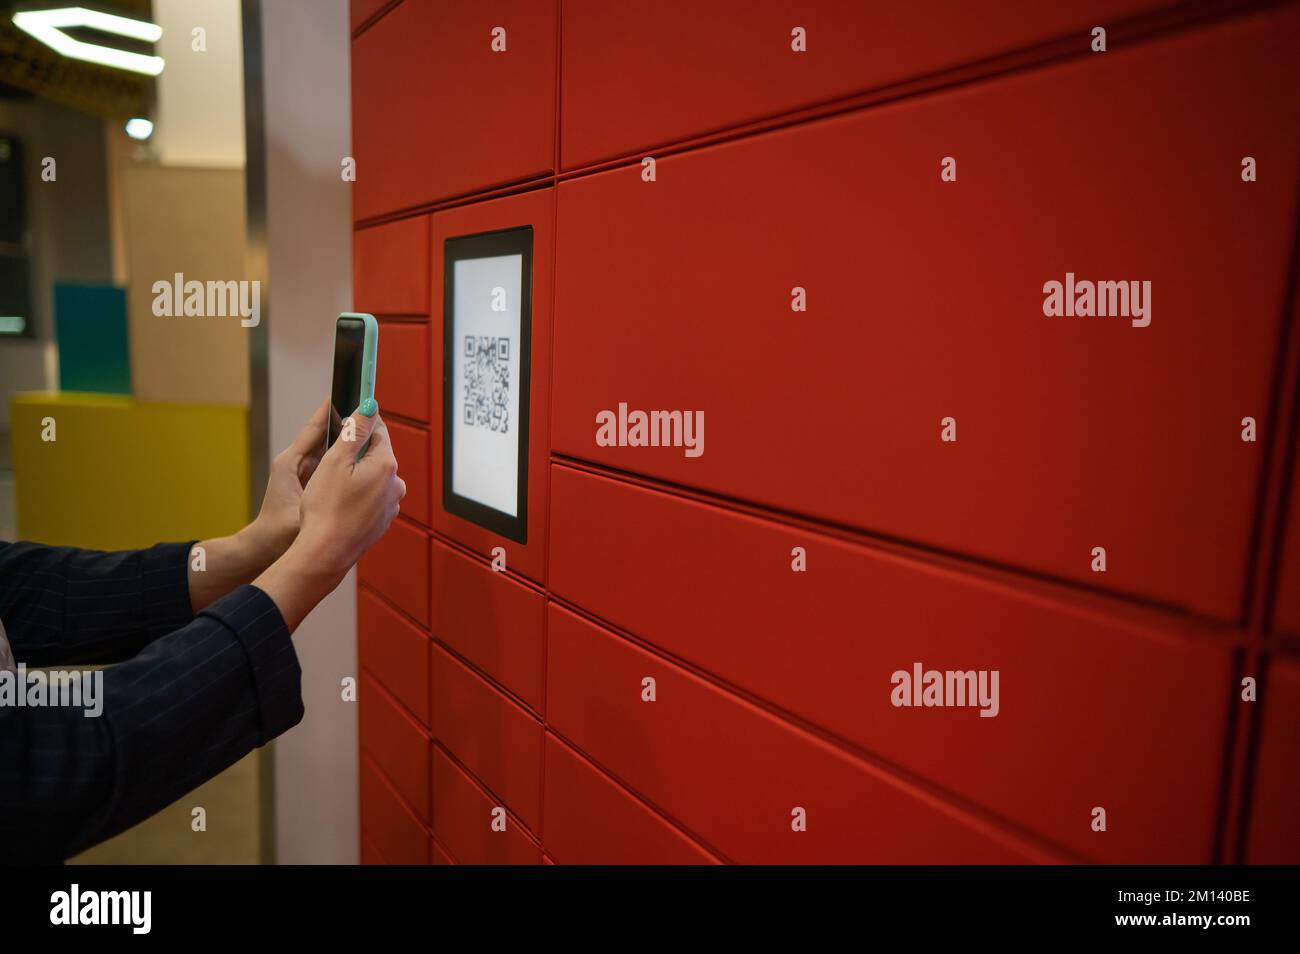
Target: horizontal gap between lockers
column 1155, row 25
column 486, row 790
column 403, row 419
column 1170, row 619
column 966, row 808
column 429, row 737
column 1173, row 621
column 374, row 18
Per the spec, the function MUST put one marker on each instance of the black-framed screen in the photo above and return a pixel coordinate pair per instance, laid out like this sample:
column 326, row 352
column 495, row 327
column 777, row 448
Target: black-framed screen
column 487, row 335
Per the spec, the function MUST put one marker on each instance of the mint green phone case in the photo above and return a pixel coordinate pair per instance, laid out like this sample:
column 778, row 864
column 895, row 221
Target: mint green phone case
column 369, row 351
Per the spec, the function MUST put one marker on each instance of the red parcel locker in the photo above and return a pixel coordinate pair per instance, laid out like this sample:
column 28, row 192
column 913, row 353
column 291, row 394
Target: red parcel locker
column 473, row 827
column 738, row 777
column 495, row 623
column 734, row 61
column 592, row 820
column 1272, row 834
column 398, row 568
column 497, row 740
column 362, row 10
column 391, row 268
column 1286, row 607
column 925, row 301
column 438, row 112
column 825, row 644
column 402, row 378
column 388, row 822
column 397, row 743
column 411, row 448
column 394, row 651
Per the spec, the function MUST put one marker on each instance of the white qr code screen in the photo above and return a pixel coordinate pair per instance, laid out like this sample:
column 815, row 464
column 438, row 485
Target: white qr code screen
column 485, row 385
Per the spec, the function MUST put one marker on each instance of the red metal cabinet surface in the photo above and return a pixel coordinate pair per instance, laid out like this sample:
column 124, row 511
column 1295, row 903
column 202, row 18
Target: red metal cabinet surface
column 592, row 820
column 402, row 374
column 1286, row 606
column 394, row 651
column 395, row 832
column 475, row 829
column 825, row 643
column 437, row 113
column 535, row 209
column 390, row 265
column 493, row 737
column 490, row 620
column 440, row 857
column 737, row 776
column 369, row 853
column 362, row 10
column 398, row 567
column 411, row 448
column 693, row 68
column 925, row 300
column 1273, row 837
column 397, row 743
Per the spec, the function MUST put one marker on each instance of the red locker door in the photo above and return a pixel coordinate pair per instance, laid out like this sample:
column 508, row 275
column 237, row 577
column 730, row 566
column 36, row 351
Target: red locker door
column 390, row 268
column 1286, row 608
column 437, row 112
column 925, row 301
column 394, row 651
column 741, row 778
column 826, row 642
column 733, row 61
column 1273, row 837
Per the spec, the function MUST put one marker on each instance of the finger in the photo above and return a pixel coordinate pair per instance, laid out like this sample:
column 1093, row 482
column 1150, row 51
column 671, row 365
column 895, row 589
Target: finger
column 380, row 447
column 354, row 431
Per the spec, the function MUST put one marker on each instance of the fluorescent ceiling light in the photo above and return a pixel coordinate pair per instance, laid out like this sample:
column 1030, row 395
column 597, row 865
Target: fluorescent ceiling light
column 139, row 128
column 48, row 26
column 12, row 324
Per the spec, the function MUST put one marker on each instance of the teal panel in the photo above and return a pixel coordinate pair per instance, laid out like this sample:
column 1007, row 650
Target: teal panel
column 90, row 329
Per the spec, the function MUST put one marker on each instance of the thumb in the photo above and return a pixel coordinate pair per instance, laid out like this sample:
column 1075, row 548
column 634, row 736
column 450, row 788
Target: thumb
column 356, row 430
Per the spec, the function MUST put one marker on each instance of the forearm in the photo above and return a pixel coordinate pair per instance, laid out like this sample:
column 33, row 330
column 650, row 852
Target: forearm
column 220, row 565
column 62, row 605
column 297, row 581
column 184, row 709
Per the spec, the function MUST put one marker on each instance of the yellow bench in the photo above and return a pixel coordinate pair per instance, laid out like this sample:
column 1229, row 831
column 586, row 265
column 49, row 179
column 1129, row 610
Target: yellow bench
column 122, row 473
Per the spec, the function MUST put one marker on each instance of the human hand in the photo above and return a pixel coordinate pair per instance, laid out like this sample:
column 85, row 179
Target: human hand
column 239, row 558
column 277, row 522
column 347, row 505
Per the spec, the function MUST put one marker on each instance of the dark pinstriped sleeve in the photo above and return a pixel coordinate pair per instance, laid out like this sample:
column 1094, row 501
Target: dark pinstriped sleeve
column 64, row 606
column 188, row 706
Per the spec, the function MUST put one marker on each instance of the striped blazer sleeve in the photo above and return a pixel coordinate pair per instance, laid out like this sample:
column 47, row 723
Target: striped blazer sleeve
column 64, row 606
column 189, row 705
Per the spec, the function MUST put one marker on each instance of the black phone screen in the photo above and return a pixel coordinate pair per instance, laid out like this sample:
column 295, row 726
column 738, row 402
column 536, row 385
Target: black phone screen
column 345, row 395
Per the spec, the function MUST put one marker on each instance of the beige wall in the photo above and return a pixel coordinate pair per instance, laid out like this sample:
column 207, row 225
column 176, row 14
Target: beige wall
column 199, row 120
column 189, row 221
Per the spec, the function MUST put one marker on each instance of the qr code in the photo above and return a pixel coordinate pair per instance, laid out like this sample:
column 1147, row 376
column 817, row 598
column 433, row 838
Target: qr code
column 487, row 382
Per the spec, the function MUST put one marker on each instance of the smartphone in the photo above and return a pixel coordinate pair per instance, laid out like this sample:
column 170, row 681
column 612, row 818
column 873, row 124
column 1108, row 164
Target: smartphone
column 356, row 341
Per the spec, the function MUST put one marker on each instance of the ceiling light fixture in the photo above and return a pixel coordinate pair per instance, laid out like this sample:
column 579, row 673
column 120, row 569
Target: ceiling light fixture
column 48, row 26
column 139, row 128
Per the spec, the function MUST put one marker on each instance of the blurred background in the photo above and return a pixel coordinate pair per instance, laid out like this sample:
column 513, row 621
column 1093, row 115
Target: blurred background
column 124, row 161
